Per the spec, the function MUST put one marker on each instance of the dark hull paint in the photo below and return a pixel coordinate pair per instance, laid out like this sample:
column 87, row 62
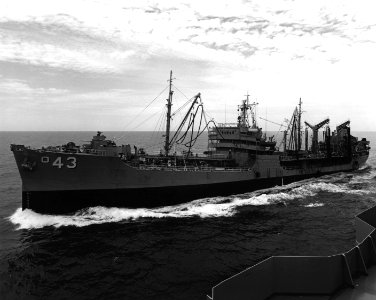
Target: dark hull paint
column 63, row 202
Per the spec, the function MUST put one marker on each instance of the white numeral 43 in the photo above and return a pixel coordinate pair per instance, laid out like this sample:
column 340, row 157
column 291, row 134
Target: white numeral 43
column 71, row 162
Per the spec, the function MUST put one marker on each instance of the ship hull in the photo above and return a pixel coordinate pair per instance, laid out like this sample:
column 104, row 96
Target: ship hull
column 67, row 201
column 55, row 182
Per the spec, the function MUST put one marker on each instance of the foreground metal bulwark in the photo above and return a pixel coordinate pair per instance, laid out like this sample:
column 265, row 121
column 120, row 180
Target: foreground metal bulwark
column 305, row 275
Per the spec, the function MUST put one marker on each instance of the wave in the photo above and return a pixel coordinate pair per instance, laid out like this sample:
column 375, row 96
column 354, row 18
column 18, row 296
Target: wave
column 365, row 174
column 203, row 208
column 314, row 205
column 211, row 207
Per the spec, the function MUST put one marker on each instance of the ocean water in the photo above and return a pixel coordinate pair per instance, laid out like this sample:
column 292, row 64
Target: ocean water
column 176, row 252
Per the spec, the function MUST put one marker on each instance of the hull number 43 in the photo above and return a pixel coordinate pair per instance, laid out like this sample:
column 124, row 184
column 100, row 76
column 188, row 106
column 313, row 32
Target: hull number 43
column 70, row 163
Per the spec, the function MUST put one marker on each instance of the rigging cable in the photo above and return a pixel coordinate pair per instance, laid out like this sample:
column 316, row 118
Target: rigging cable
column 198, row 131
column 184, row 120
column 182, row 138
column 146, row 119
column 203, row 115
column 135, row 117
column 190, row 141
column 190, row 123
column 180, row 91
column 183, row 106
column 159, row 122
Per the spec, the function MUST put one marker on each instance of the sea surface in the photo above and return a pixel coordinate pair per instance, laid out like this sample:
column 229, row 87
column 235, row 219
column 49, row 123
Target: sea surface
column 176, row 252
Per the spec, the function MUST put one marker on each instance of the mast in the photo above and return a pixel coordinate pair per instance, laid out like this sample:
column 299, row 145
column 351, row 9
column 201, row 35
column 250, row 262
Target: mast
column 243, row 119
column 299, row 124
column 169, row 104
column 245, row 108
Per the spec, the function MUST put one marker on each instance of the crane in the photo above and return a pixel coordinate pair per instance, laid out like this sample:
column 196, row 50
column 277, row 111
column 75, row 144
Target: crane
column 343, row 125
column 315, row 130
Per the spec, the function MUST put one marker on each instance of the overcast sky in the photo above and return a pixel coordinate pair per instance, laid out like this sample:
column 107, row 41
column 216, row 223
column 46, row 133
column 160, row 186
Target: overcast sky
column 94, row 65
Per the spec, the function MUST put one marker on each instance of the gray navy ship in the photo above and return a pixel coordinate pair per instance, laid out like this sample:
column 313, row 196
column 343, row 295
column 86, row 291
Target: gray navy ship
column 239, row 158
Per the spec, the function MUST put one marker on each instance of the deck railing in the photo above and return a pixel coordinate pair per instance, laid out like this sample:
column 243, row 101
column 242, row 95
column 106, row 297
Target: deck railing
column 74, row 151
column 226, row 125
column 166, row 167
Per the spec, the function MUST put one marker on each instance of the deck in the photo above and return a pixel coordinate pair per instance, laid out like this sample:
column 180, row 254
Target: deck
column 342, row 276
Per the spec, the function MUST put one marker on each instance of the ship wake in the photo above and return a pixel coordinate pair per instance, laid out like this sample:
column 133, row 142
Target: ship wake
column 299, row 193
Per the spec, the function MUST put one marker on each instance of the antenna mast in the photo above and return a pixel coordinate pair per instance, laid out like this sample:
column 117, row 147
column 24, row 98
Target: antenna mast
column 243, row 114
column 299, row 124
column 169, row 104
column 246, row 107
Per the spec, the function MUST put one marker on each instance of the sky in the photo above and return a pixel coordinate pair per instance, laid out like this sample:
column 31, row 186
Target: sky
column 95, row 65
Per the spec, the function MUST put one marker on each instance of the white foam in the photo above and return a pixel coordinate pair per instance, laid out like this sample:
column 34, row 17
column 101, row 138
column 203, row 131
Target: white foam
column 312, row 189
column 211, row 207
column 314, row 205
column 203, row 208
column 369, row 174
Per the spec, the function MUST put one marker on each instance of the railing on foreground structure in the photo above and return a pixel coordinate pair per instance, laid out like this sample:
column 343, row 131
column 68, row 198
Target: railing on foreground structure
column 305, row 275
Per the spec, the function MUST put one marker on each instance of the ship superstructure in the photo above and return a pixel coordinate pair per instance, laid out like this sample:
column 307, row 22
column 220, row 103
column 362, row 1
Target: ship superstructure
column 241, row 141
column 240, row 158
